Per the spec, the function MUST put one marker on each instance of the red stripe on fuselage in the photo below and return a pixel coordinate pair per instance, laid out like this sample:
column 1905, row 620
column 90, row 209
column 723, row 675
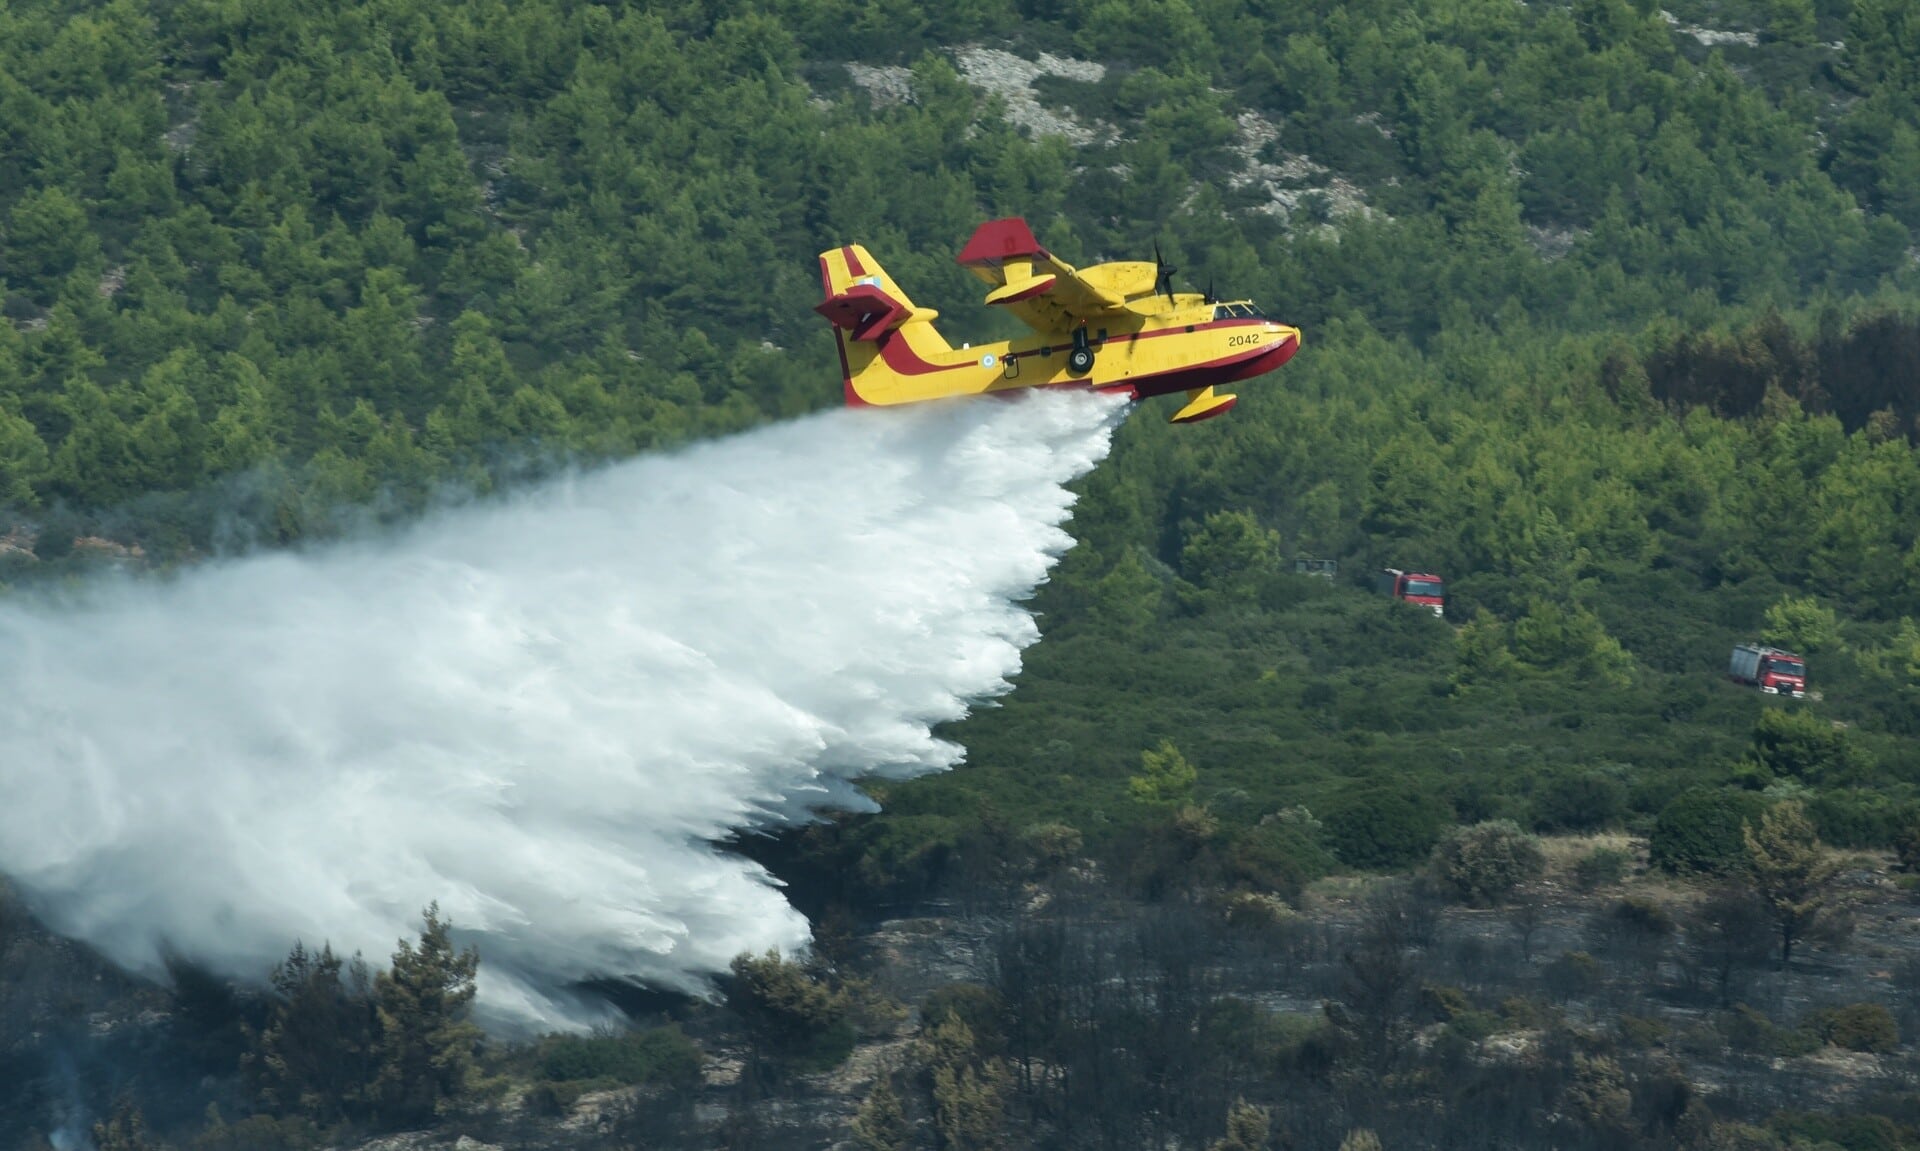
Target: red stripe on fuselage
column 1222, row 371
column 902, row 358
column 854, row 399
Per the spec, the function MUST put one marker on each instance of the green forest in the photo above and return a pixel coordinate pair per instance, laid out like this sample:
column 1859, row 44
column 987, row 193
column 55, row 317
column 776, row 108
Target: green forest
column 1611, row 316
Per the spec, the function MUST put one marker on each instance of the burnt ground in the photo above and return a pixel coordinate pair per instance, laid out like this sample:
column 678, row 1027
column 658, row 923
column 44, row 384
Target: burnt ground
column 73, row 1030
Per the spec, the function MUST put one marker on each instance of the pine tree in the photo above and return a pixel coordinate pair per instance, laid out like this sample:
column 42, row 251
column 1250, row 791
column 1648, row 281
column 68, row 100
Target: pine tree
column 316, row 1056
column 426, row 1043
column 125, row 1130
column 1246, row 1129
column 1598, row 1094
column 784, row 1005
column 881, row 1124
column 23, row 460
column 1165, row 776
column 967, row 1104
column 1790, row 871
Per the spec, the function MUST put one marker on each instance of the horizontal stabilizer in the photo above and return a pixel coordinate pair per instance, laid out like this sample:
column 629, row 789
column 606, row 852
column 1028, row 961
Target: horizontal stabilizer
column 1018, row 290
column 1203, row 404
column 864, row 310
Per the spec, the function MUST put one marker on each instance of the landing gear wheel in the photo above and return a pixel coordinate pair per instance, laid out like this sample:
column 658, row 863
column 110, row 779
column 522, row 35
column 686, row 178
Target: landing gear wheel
column 1080, row 361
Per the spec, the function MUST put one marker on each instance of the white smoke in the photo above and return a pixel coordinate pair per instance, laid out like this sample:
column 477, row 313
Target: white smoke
column 536, row 710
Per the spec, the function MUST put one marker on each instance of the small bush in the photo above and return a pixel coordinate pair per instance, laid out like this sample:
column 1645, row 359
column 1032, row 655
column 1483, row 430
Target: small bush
column 1360, row 1139
column 1601, row 867
column 1798, row 744
column 976, row 1006
column 1441, row 1003
column 1252, row 911
column 1052, row 846
column 1858, row 1027
column 1642, row 1032
column 1574, row 975
column 1525, row 1013
column 1748, row 1032
column 1850, row 1132
column 1482, row 864
column 257, row 1133
column 1579, row 802
column 1699, row 832
column 1906, row 843
column 1278, row 857
column 1280, row 1043
column 785, row 1007
column 827, row 1050
column 662, row 1055
column 1382, row 828
column 553, row 1100
column 1474, row 1026
column 1853, row 818
column 1802, row 624
column 1633, row 930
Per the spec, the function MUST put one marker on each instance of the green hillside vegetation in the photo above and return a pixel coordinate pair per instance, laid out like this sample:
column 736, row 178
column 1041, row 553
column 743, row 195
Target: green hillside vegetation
column 1605, row 555
column 1611, row 321
column 294, row 257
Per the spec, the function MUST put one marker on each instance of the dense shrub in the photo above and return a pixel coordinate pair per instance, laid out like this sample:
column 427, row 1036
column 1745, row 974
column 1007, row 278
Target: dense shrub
column 1906, row 842
column 980, row 1008
column 1282, row 1043
column 1573, row 975
column 786, row 1008
column 1052, row 846
column 1580, row 802
column 1632, row 930
column 1849, row 1132
column 1279, row 857
column 1750, row 1032
column 1700, row 830
column 258, row 1133
column 1481, row 864
column 1855, row 818
column 1858, row 1027
column 1799, row 744
column 1803, row 624
column 1601, row 867
column 662, row 1055
column 1384, row 828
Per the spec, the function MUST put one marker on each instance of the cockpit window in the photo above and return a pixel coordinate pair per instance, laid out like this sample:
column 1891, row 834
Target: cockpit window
column 1237, row 312
column 1222, row 312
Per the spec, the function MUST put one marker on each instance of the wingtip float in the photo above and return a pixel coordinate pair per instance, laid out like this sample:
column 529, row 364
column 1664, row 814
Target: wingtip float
column 1116, row 327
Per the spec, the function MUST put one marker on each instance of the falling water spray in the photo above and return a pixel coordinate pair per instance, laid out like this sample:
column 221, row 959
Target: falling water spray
column 540, row 710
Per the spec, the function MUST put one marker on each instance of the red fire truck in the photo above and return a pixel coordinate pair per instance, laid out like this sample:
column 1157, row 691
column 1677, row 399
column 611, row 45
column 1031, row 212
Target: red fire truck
column 1423, row 588
column 1771, row 670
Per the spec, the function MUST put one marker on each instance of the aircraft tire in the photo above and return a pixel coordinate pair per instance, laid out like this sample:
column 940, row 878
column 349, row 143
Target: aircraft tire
column 1080, row 361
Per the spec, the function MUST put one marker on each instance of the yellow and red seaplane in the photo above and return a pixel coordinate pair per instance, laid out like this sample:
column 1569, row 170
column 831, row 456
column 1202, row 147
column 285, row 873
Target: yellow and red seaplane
column 1116, row 327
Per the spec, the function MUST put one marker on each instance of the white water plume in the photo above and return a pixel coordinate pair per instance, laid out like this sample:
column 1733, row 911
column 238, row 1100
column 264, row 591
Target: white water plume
column 537, row 710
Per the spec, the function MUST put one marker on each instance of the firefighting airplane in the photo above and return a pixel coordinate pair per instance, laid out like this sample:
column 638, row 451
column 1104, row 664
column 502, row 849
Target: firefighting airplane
column 1115, row 327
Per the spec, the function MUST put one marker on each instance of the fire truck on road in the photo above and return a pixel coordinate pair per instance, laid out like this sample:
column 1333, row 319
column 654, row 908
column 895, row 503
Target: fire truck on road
column 1771, row 670
column 1423, row 588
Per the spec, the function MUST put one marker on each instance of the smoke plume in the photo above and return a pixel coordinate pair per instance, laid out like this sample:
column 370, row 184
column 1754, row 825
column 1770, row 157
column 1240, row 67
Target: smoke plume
column 539, row 710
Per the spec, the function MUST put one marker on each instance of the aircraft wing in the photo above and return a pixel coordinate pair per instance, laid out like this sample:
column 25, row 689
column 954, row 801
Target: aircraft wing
column 1046, row 292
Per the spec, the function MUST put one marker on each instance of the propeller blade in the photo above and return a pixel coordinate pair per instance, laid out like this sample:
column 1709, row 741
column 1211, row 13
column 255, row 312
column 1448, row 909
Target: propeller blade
column 1163, row 273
